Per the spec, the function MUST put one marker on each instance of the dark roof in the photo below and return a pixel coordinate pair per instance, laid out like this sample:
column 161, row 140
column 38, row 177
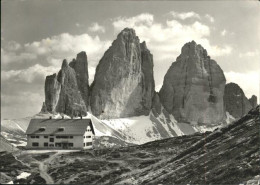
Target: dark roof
column 71, row 126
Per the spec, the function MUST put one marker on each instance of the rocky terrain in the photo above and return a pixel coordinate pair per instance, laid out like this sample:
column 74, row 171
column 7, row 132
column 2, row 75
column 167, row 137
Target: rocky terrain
column 236, row 103
column 229, row 155
column 123, row 85
column 62, row 92
column 193, row 90
column 193, row 87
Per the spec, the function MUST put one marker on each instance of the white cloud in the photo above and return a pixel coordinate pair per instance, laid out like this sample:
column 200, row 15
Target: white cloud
column 13, row 46
column 184, row 15
column 249, row 54
column 51, row 52
column 28, row 75
column 144, row 19
column 95, row 27
column 249, row 82
column 210, row 18
column 78, row 25
column 223, row 33
column 9, row 57
column 220, row 51
column 67, row 46
column 165, row 41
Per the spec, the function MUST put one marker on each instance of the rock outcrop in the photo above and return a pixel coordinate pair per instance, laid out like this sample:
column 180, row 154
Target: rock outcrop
column 235, row 101
column 44, row 108
column 123, row 85
column 62, row 92
column 253, row 101
column 193, row 87
column 80, row 65
column 70, row 100
column 52, row 92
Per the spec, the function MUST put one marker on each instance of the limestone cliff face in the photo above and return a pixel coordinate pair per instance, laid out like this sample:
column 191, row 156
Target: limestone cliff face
column 52, row 92
column 193, row 87
column 253, row 101
column 62, row 92
column 235, row 101
column 80, row 65
column 123, row 85
column 70, row 100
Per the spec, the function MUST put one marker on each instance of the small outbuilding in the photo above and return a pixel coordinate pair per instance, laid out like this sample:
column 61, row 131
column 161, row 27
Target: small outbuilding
column 60, row 134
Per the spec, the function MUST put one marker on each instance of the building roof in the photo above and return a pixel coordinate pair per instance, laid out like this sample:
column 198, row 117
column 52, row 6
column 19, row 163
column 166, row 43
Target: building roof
column 51, row 126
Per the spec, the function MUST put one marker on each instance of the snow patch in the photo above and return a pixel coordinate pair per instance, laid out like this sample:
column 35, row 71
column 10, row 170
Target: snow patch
column 23, row 175
column 230, row 118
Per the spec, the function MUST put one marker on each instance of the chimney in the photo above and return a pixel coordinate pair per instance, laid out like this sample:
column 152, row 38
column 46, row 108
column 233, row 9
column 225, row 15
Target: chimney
column 50, row 117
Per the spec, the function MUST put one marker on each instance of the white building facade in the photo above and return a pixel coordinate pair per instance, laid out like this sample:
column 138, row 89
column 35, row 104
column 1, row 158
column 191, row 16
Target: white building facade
column 60, row 134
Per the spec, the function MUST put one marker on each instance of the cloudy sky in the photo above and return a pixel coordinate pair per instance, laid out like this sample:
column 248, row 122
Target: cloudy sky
column 37, row 35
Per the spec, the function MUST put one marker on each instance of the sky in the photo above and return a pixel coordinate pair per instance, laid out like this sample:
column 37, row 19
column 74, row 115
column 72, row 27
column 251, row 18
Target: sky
column 37, row 35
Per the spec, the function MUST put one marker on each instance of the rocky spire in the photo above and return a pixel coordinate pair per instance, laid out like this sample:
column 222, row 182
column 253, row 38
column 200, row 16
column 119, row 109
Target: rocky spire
column 123, row 85
column 80, row 65
column 253, row 101
column 62, row 93
column 235, row 101
column 193, row 87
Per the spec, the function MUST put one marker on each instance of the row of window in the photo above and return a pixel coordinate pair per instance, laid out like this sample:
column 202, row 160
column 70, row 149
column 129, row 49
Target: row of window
column 63, row 137
column 56, row 144
column 87, row 136
column 87, row 144
column 35, row 137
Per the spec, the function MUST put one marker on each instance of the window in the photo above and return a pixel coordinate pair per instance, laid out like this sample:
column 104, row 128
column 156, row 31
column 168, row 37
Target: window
column 84, row 144
column 83, row 136
column 63, row 137
column 71, row 144
column 51, row 139
column 32, row 136
column 88, row 136
column 45, row 136
column 57, row 144
column 42, row 129
column 61, row 129
column 89, row 143
column 37, row 136
column 35, row 144
column 71, row 137
column 45, row 144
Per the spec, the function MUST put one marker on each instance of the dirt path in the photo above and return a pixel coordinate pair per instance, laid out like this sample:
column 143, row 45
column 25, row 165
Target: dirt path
column 43, row 167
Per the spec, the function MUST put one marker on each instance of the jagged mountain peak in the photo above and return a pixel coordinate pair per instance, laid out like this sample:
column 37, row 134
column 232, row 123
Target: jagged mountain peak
column 123, row 85
column 192, row 49
column 193, row 87
column 236, row 103
column 65, row 64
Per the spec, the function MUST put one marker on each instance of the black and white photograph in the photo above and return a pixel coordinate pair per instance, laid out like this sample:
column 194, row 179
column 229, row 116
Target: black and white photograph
column 130, row 92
